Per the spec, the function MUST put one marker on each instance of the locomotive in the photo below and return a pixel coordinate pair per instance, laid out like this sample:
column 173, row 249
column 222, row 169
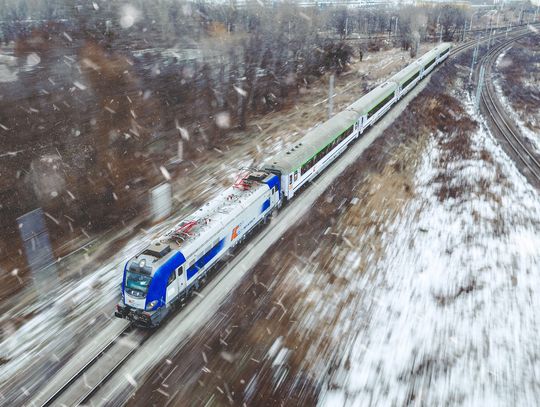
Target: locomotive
column 167, row 271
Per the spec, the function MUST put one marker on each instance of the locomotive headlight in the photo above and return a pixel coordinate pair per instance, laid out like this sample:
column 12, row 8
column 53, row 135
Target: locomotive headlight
column 151, row 305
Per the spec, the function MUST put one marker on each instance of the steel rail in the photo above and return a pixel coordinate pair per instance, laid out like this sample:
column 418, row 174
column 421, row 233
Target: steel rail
column 91, row 391
column 51, row 399
column 500, row 119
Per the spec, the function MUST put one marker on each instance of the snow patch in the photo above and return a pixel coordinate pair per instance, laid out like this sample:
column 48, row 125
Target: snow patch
column 453, row 303
column 129, row 15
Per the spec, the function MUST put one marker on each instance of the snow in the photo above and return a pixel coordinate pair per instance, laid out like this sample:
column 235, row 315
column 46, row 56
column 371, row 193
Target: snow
column 33, row 59
column 7, row 75
column 524, row 129
column 129, row 15
column 453, row 300
column 8, row 68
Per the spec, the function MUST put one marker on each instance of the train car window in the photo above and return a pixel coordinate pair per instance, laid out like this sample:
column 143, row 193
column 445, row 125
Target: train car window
column 381, row 104
column 296, row 175
column 412, row 78
column 172, row 277
column 290, row 179
column 180, row 271
column 430, row 63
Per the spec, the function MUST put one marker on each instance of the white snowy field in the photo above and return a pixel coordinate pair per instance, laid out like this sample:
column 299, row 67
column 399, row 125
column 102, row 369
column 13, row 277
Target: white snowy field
column 453, row 299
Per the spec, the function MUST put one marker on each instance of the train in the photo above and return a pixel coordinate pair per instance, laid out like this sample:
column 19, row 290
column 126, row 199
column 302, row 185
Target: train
column 168, row 270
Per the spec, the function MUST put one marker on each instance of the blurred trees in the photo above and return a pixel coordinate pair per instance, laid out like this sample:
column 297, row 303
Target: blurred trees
column 102, row 83
column 80, row 122
column 452, row 19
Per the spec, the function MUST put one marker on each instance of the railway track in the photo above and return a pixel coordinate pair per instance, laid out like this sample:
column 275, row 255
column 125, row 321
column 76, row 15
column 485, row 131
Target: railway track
column 501, row 124
column 516, row 32
column 82, row 385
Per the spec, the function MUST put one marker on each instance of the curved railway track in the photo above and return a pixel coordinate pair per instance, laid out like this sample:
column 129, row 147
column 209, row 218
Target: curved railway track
column 80, row 387
column 501, row 124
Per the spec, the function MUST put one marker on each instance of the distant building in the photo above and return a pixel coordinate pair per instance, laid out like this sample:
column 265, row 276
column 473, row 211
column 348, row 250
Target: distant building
column 459, row 3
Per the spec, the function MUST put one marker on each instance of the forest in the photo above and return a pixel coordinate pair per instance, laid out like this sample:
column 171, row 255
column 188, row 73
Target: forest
column 108, row 94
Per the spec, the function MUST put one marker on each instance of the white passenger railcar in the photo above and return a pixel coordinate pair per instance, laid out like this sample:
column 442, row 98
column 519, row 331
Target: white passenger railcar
column 313, row 152
column 370, row 107
column 407, row 78
column 321, row 146
column 432, row 58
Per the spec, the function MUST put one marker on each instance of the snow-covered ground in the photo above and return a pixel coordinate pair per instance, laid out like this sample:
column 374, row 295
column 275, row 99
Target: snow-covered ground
column 452, row 307
column 531, row 136
column 8, row 69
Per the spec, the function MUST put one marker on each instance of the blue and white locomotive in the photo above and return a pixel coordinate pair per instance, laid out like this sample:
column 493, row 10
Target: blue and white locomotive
column 173, row 265
column 167, row 271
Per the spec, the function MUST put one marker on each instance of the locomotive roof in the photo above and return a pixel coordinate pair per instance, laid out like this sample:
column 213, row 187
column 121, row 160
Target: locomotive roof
column 314, row 140
column 201, row 226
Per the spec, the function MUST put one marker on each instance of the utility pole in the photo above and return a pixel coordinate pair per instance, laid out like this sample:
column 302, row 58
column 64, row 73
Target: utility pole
column 437, row 24
column 475, row 55
column 331, row 97
column 472, row 15
column 479, row 88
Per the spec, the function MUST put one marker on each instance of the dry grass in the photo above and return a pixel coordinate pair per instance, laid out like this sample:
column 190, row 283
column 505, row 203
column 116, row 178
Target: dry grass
column 520, row 78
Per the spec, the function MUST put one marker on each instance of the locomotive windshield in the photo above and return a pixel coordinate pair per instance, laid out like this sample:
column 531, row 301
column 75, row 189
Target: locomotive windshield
column 137, row 284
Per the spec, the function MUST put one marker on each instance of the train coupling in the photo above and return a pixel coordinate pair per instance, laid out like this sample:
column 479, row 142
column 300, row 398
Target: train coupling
column 147, row 319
